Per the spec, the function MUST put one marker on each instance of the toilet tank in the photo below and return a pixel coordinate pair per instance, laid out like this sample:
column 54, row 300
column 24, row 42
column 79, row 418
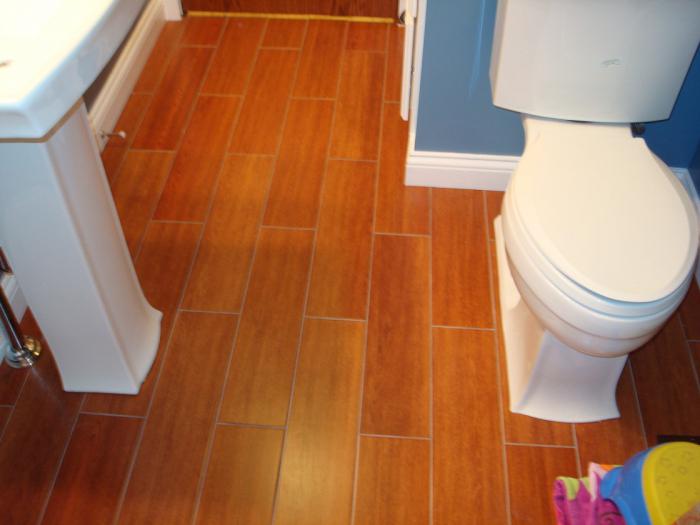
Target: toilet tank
column 593, row 60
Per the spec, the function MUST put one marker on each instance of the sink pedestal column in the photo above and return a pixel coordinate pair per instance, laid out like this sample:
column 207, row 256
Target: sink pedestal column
column 60, row 230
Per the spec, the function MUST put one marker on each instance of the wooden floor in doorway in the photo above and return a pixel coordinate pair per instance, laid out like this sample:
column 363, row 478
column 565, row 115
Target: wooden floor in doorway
column 371, row 8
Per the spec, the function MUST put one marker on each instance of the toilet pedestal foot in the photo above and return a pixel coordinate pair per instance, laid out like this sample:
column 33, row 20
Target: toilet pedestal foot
column 546, row 378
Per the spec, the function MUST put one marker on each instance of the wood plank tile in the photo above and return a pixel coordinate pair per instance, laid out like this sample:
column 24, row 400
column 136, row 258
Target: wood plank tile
column 319, row 457
column 137, row 190
column 695, row 351
column 468, row 453
column 33, row 442
column 262, row 115
column 4, row 417
column 340, row 275
column 396, row 395
column 12, row 379
column 166, row 116
column 461, row 293
column 393, row 484
column 259, row 382
column 162, row 267
column 93, row 471
column 188, row 191
column 202, row 31
column 666, row 386
column 152, row 72
column 616, row 440
column 400, row 208
column 319, row 65
column 284, row 33
column 520, row 428
column 367, row 37
column 161, row 489
column 531, row 475
column 690, row 312
column 394, row 72
column 494, row 199
column 11, row 382
column 240, row 482
column 222, row 266
column 358, row 115
column 234, row 57
column 116, row 147
column 296, row 185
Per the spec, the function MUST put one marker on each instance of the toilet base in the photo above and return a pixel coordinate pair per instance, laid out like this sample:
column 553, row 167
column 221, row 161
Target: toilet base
column 548, row 379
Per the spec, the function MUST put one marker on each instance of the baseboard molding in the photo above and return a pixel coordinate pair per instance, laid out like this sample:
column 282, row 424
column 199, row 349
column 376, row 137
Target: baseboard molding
column 113, row 96
column 173, row 9
column 437, row 169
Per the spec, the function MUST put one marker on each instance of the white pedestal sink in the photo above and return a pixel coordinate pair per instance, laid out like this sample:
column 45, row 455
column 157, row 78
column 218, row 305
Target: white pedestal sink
column 58, row 223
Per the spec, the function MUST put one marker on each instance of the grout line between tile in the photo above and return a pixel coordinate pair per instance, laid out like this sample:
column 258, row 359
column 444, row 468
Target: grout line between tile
column 431, row 365
column 638, row 405
column 344, row 319
column 166, row 349
column 363, row 365
column 204, row 469
column 49, row 492
column 176, row 151
column 689, row 351
column 497, row 357
column 466, row 328
column 300, row 336
column 129, row 139
column 196, row 311
column 395, row 436
column 110, row 414
column 537, row 445
column 170, row 221
column 139, row 439
column 212, row 430
column 151, row 95
column 13, row 407
column 574, row 438
column 249, row 425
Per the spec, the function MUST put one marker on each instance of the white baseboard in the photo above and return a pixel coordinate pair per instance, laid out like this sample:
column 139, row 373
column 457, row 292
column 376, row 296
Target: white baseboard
column 438, row 169
column 116, row 90
column 173, row 9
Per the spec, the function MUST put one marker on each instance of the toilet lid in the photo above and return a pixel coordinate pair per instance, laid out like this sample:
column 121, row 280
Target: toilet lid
column 605, row 211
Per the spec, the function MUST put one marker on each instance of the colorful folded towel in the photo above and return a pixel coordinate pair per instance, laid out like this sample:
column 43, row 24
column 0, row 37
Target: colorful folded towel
column 578, row 501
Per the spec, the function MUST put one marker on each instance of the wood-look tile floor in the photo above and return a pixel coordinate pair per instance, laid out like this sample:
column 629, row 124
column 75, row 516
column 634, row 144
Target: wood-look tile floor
column 331, row 351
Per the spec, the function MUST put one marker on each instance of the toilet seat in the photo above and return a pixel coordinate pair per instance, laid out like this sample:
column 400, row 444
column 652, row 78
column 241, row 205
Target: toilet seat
column 593, row 207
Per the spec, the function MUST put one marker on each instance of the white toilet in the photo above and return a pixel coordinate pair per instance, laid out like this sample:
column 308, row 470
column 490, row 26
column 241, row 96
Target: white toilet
column 597, row 240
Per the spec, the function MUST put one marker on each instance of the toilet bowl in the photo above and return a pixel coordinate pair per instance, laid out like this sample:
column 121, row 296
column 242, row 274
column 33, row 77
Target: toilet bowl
column 597, row 240
column 596, row 246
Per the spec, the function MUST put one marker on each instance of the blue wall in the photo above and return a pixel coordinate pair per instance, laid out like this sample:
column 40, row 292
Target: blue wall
column 456, row 113
column 694, row 168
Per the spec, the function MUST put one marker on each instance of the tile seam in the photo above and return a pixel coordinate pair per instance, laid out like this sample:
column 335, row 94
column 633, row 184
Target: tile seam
column 497, row 357
column 300, row 332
